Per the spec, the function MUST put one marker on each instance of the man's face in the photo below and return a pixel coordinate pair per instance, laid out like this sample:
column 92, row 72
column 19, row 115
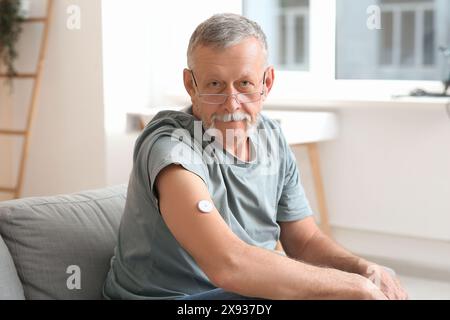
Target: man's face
column 233, row 70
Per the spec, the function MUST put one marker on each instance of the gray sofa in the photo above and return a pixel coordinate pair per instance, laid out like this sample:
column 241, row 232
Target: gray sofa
column 59, row 247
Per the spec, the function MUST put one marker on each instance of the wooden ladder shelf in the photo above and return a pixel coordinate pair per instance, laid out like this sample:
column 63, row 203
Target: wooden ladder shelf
column 37, row 77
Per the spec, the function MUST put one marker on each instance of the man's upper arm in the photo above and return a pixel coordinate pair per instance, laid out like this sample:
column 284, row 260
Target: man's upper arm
column 206, row 236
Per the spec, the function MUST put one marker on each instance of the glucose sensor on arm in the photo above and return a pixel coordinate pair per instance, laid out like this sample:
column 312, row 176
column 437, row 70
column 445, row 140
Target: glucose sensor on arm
column 205, row 206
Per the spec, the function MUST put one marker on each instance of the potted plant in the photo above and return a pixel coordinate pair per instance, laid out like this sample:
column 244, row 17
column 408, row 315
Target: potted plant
column 12, row 14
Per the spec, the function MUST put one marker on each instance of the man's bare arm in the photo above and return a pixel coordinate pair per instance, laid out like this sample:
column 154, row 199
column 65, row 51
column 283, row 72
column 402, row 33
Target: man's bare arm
column 236, row 266
column 303, row 240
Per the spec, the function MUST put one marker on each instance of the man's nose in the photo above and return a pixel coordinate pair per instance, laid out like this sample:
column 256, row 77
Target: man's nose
column 232, row 104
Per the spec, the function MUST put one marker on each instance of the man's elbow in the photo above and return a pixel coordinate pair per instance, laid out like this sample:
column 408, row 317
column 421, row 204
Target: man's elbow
column 225, row 272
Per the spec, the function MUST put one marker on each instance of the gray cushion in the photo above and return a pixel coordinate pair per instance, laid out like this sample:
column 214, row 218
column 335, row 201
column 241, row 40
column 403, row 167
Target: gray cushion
column 53, row 240
column 10, row 286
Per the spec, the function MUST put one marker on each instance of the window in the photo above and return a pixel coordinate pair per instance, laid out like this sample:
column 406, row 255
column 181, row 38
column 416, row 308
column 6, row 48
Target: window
column 405, row 46
column 286, row 24
column 407, row 36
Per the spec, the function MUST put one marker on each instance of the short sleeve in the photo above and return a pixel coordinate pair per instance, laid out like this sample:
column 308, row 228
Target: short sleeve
column 166, row 151
column 293, row 204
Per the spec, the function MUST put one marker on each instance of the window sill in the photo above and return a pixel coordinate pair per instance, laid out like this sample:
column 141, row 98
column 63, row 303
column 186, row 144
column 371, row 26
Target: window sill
column 312, row 103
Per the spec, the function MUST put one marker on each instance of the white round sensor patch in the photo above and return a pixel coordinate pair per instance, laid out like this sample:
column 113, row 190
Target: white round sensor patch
column 205, row 206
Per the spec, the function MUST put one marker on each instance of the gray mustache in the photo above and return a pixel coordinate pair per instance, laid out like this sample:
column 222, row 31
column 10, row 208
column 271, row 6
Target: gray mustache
column 237, row 116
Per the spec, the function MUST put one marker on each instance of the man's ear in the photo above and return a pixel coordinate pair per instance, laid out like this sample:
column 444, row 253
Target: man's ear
column 270, row 78
column 188, row 82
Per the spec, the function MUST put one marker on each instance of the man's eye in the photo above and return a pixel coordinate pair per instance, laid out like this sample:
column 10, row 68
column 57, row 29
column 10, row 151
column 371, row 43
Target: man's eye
column 214, row 84
column 245, row 83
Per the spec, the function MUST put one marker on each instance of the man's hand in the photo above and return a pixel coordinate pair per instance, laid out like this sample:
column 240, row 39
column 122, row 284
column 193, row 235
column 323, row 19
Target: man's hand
column 386, row 280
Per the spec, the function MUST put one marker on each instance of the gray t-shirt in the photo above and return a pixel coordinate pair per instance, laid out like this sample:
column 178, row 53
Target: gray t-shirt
column 251, row 197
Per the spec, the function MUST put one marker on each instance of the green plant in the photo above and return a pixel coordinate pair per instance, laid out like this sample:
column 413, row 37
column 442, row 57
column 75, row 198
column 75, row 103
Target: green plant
column 10, row 29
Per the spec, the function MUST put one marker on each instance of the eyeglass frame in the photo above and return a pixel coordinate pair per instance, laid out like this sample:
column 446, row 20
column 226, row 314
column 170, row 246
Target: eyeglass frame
column 235, row 95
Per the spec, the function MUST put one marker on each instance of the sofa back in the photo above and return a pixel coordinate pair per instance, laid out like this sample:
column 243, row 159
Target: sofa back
column 62, row 245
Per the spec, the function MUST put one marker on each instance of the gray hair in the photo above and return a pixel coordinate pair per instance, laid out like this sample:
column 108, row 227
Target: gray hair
column 225, row 30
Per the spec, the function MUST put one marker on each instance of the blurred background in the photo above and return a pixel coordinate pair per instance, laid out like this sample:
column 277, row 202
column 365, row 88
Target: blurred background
column 385, row 170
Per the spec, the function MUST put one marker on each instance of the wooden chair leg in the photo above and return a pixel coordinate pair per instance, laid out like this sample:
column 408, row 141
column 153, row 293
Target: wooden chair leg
column 313, row 154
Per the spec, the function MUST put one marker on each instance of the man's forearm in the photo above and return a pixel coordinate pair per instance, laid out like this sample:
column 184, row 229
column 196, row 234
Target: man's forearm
column 320, row 250
column 261, row 273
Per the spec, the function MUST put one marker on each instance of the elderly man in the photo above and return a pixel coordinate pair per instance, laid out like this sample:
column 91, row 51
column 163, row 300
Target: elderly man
column 214, row 187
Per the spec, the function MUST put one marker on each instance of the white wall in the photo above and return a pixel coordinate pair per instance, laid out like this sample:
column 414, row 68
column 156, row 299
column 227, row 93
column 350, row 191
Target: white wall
column 67, row 143
column 389, row 171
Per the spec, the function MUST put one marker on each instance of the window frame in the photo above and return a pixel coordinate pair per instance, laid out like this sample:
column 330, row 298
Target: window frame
column 397, row 11
column 291, row 14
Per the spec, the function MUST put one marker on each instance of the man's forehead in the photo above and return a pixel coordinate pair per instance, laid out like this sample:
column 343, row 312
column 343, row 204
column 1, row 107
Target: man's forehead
column 227, row 74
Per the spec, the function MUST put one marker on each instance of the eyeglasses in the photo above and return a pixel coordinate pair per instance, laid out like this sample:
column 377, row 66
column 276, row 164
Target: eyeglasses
column 221, row 98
